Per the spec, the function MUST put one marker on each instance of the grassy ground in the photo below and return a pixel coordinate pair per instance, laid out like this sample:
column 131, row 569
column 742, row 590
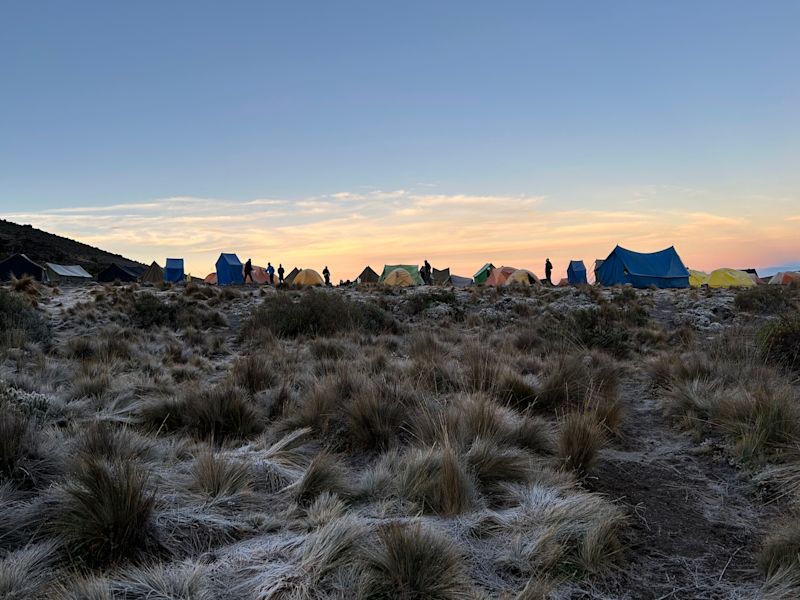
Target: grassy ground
column 195, row 443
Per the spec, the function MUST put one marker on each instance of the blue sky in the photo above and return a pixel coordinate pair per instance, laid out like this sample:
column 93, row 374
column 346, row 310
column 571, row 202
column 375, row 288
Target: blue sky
column 585, row 106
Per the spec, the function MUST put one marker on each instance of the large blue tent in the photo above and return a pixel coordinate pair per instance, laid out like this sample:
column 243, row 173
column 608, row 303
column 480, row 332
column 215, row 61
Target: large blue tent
column 229, row 270
column 576, row 273
column 663, row 269
column 173, row 272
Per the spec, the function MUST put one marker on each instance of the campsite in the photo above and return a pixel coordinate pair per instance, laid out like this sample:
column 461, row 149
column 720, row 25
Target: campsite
column 502, row 439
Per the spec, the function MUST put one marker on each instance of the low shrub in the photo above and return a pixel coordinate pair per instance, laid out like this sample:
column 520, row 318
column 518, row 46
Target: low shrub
column 222, row 412
column 781, row 547
column 765, row 298
column 317, row 313
column 148, row 310
column 20, row 323
column 254, row 373
column 580, row 438
column 324, row 474
column 217, row 478
column 779, row 341
column 607, row 327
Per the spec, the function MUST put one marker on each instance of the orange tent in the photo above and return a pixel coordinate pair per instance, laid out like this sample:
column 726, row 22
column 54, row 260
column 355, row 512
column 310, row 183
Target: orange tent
column 785, row 278
column 499, row 275
column 211, row 278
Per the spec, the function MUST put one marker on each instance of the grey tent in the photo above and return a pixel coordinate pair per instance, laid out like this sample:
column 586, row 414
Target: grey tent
column 66, row 273
column 153, row 274
column 289, row 279
column 460, row 282
column 368, row 276
column 441, row 276
column 18, row 266
column 124, row 273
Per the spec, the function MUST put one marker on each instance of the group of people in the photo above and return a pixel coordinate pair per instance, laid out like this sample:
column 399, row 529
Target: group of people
column 248, row 272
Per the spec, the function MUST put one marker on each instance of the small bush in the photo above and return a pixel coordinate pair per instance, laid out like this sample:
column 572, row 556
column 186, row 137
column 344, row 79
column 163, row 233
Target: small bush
column 607, row 327
column 218, row 478
column 105, row 514
column 580, row 438
column 324, row 474
column 779, row 341
column 414, row 562
column 765, row 299
column 373, row 420
column 436, row 479
column 23, row 460
column 20, row 323
column 493, row 464
column 222, row 412
column 317, row 312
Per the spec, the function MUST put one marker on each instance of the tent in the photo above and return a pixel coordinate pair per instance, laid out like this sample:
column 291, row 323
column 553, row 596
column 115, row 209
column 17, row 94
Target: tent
column 785, row 278
column 308, row 277
column 522, row 277
column 483, row 273
column 499, row 275
column 460, row 282
column 66, row 274
column 229, row 270
column 728, row 278
column 211, row 278
column 663, row 269
column 173, row 270
column 124, row 273
column 412, row 270
column 576, row 273
column 153, row 274
column 368, row 276
column 398, row 278
column 597, row 264
column 697, row 278
column 441, row 276
column 19, row 265
column 260, row 275
column 289, row 279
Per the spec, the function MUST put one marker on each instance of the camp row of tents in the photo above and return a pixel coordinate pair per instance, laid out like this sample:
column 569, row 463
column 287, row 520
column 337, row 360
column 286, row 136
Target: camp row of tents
column 663, row 269
column 19, row 265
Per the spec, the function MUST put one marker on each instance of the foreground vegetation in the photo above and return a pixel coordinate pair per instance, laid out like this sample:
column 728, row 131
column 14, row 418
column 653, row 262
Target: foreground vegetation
column 203, row 443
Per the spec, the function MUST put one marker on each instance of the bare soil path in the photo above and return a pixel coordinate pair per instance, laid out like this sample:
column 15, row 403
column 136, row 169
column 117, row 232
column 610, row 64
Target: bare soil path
column 694, row 527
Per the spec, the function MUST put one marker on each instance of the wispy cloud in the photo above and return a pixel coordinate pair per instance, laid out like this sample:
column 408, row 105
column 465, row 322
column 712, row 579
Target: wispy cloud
column 349, row 229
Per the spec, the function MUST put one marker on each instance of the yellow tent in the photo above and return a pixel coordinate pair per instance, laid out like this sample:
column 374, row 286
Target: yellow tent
column 308, row 277
column 398, row 277
column 522, row 277
column 728, row 278
column 697, row 278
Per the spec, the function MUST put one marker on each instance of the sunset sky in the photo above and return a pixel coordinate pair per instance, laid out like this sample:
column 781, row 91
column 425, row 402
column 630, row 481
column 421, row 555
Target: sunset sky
column 352, row 133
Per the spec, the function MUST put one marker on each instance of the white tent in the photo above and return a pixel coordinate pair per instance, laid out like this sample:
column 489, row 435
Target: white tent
column 66, row 273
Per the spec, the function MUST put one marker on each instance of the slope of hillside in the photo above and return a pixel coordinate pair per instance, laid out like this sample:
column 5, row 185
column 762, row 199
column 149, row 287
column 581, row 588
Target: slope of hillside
column 42, row 247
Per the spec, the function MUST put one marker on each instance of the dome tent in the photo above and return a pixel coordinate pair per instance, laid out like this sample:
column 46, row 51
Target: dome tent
column 499, row 275
column 697, row 278
column 728, row 278
column 785, row 278
column 308, row 277
column 412, row 270
column 522, row 277
column 576, row 273
column 663, row 269
column 398, row 278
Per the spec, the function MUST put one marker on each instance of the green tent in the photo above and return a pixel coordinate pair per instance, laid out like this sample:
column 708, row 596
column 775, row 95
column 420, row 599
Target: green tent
column 483, row 274
column 413, row 270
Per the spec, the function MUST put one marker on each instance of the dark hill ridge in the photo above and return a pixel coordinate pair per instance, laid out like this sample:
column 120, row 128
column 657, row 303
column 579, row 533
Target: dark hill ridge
column 42, row 247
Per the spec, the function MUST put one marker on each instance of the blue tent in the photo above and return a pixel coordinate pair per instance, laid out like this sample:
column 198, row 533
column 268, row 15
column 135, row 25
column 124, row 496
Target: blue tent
column 173, row 272
column 229, row 270
column 576, row 273
column 663, row 269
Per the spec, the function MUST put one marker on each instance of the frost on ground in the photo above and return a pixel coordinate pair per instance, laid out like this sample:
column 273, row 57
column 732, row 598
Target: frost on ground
column 195, row 442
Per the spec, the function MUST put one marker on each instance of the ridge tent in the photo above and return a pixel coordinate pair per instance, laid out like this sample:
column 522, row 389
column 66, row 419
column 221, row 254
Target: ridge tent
column 398, row 278
column 173, row 270
column 308, row 277
column 697, row 278
column 412, row 270
column 368, row 276
column 19, row 265
column 728, row 278
column 597, row 264
column 460, row 282
column 229, row 270
column 576, row 273
column 785, row 278
column 66, row 273
column 289, row 279
column 522, row 277
column 663, row 269
column 153, row 274
column 441, row 277
column 123, row 273
column 483, row 273
column 499, row 275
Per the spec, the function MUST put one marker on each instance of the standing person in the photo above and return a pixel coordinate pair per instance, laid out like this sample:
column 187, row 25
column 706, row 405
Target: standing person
column 327, row 275
column 426, row 270
column 271, row 273
column 280, row 273
column 248, row 271
column 548, row 271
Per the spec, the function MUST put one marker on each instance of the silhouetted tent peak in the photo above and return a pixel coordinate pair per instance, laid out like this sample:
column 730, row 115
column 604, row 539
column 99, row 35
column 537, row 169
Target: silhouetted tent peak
column 18, row 266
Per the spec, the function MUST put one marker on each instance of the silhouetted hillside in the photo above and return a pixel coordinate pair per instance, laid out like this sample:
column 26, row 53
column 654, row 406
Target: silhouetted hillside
column 42, row 247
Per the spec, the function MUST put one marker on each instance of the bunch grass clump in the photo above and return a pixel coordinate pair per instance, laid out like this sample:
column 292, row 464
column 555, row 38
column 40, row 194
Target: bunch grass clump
column 20, row 323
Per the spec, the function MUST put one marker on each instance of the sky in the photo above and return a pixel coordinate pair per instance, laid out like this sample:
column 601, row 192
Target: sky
column 365, row 132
